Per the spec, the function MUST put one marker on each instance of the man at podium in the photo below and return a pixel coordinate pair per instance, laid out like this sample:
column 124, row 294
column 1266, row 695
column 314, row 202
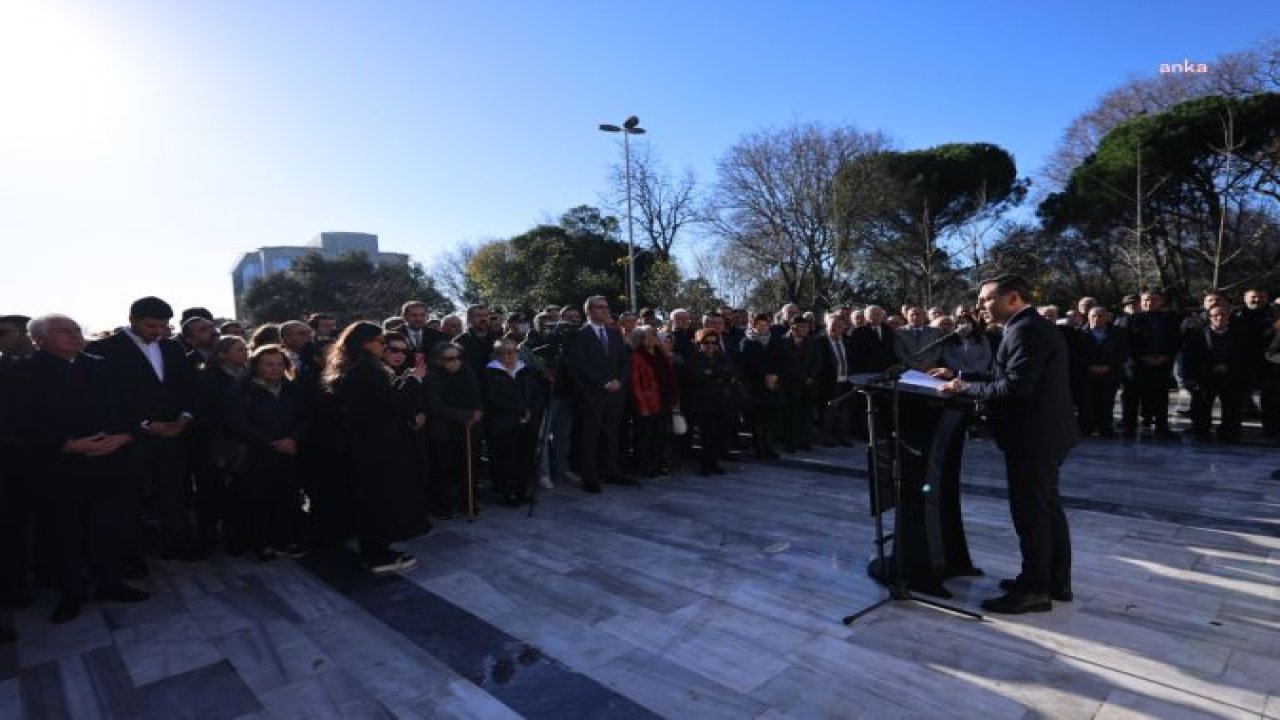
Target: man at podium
column 1028, row 400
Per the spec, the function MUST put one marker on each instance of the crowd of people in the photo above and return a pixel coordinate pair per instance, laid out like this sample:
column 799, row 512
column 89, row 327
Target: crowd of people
column 181, row 438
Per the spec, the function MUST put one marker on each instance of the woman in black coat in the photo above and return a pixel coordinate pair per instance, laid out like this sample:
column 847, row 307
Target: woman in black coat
column 454, row 411
column 267, row 412
column 706, row 398
column 388, row 503
column 513, row 405
column 761, row 364
column 221, row 457
column 396, row 355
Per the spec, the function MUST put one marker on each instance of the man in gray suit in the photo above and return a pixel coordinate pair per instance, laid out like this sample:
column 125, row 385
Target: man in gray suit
column 914, row 336
column 1028, row 397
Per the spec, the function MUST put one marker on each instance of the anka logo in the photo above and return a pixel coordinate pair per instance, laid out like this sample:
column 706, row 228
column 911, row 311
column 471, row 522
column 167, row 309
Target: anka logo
column 1186, row 66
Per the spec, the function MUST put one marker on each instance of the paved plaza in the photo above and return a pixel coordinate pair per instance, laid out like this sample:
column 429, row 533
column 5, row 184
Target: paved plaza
column 712, row 597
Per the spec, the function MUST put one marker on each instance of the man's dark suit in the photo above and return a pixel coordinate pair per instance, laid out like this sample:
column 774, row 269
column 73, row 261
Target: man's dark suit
column 1028, row 397
column 872, row 352
column 1203, row 350
column 159, row 465
column 80, row 498
column 1098, row 394
column 427, row 339
column 598, row 412
column 833, row 382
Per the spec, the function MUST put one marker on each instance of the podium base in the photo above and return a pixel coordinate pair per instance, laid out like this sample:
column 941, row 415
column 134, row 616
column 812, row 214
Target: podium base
column 885, row 575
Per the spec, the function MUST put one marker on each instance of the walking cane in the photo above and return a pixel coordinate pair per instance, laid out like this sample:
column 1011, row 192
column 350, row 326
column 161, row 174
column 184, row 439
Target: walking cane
column 471, row 486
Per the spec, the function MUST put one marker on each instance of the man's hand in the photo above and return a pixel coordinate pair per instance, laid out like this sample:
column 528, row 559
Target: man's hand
column 110, row 444
column 476, row 416
column 953, row 386
column 771, row 381
column 1099, row 370
column 613, row 386
column 285, row 446
column 85, row 445
column 941, row 372
column 1154, row 360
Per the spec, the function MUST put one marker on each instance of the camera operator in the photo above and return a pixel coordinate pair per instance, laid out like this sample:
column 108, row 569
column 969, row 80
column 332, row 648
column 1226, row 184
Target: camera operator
column 543, row 350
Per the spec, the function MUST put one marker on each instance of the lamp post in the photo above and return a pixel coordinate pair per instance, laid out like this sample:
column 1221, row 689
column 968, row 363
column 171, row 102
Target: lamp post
column 630, row 127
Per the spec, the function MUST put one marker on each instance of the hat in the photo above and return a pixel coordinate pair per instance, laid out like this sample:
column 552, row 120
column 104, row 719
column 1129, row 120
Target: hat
column 1129, row 300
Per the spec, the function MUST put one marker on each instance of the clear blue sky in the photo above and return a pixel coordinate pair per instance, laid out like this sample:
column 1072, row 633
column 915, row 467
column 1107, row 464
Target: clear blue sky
column 145, row 143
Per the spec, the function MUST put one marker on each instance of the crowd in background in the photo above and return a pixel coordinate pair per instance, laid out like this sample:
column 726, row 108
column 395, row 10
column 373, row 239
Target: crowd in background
column 180, row 437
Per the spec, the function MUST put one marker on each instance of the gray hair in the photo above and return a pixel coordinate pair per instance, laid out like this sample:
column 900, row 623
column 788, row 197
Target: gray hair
column 38, row 327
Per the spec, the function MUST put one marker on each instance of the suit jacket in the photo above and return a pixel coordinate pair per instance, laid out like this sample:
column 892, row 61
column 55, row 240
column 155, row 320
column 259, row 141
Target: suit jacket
column 1112, row 351
column 428, row 339
column 1028, row 393
column 829, row 367
column 910, row 341
column 591, row 365
column 872, row 353
column 146, row 396
column 1198, row 356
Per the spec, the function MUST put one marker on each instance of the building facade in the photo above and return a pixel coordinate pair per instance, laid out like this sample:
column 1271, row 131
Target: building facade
column 271, row 259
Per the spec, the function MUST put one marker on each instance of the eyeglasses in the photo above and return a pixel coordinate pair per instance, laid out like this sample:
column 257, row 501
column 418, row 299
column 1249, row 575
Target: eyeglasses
column 398, row 350
column 709, row 341
column 450, row 358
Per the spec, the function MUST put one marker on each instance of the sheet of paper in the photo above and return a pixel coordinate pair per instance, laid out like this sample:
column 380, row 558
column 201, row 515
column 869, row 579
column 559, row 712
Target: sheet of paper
column 919, row 379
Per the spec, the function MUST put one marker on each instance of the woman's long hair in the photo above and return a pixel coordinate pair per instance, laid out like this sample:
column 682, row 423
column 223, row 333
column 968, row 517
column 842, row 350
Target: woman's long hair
column 348, row 351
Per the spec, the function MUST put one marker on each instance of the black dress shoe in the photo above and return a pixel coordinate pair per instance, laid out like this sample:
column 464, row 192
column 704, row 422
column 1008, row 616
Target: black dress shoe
column 65, row 611
column 135, row 572
column 1061, row 595
column 1016, row 603
column 718, row 470
column 7, row 636
column 1275, row 475
column 122, row 593
column 591, row 486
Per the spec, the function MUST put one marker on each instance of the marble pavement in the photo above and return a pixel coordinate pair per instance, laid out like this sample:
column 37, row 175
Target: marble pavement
column 712, row 598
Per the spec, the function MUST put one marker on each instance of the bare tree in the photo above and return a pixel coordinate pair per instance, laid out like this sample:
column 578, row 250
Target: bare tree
column 449, row 270
column 663, row 205
column 772, row 203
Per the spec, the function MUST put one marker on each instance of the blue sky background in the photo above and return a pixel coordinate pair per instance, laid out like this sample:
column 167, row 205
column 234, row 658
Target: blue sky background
column 145, row 143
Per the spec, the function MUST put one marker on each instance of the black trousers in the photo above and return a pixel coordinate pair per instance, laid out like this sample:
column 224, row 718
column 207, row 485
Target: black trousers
column 1148, row 391
column 1039, row 520
column 596, row 420
column 79, row 533
column 275, row 500
column 15, row 523
column 511, row 458
column 1271, row 401
column 797, row 417
column 711, row 435
column 159, row 472
column 448, row 459
column 1097, row 405
column 650, row 442
column 1227, row 390
column 838, row 420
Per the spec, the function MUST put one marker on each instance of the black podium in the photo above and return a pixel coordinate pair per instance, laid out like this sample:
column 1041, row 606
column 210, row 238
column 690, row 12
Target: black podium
column 928, row 530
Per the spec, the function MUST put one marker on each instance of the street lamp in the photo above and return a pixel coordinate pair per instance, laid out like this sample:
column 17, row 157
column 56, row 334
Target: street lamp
column 630, row 127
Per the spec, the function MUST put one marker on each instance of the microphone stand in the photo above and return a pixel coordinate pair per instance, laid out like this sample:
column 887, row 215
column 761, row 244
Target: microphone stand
column 897, row 584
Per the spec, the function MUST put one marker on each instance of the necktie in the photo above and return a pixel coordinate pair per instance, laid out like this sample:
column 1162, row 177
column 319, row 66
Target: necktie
column 840, row 364
column 604, row 339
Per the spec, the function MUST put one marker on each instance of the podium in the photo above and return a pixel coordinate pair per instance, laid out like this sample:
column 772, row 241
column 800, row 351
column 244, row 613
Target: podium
column 928, row 527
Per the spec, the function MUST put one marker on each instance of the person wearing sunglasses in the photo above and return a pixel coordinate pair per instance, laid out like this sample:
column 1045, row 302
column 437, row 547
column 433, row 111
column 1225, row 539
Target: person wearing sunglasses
column 706, row 398
column 455, row 407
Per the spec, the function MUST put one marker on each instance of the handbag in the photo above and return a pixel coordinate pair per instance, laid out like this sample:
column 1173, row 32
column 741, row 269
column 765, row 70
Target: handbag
column 679, row 426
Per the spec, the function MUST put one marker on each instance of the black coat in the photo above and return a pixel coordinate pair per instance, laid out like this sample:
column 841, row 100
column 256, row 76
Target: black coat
column 1028, row 394
column 451, row 398
column 708, row 385
column 512, row 401
column 1113, row 352
column 829, row 366
column 379, row 459
column 872, row 354
column 759, row 360
column 59, row 401
column 1198, row 357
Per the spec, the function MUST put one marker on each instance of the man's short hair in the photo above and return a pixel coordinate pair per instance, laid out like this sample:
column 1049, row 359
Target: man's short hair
column 411, row 305
column 151, row 307
column 314, row 319
column 189, row 325
column 193, row 312
column 1008, row 283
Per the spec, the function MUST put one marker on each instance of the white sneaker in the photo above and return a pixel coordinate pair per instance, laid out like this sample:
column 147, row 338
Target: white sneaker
column 545, row 483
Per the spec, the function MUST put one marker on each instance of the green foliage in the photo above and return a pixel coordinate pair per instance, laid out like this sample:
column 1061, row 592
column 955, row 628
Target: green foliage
column 903, row 212
column 349, row 285
column 553, row 264
column 1210, row 175
column 664, row 286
